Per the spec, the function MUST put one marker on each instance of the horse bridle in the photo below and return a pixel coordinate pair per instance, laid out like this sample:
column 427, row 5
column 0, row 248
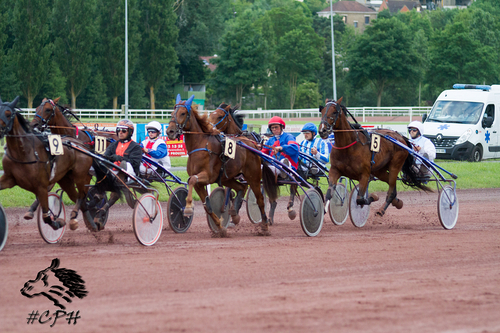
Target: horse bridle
column 45, row 122
column 8, row 122
column 324, row 118
column 226, row 115
column 179, row 128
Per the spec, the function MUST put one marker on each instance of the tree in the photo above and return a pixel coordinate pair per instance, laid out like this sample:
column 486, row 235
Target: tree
column 308, row 96
column 32, row 48
column 243, row 59
column 111, row 50
column 159, row 35
column 382, row 54
column 300, row 51
column 201, row 25
column 463, row 60
column 74, row 28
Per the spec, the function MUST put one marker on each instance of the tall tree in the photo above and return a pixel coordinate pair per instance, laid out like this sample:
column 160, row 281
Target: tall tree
column 159, row 35
column 300, row 51
column 201, row 25
column 112, row 44
column 243, row 59
column 382, row 54
column 32, row 48
column 74, row 28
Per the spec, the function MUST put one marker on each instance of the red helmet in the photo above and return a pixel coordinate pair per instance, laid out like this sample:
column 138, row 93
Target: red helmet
column 276, row 121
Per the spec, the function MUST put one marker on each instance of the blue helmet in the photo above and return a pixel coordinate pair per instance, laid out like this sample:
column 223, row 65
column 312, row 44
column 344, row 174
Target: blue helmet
column 310, row 127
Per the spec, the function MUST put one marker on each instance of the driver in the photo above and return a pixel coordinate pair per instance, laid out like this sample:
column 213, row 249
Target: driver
column 315, row 147
column 422, row 145
column 283, row 146
column 125, row 153
column 155, row 148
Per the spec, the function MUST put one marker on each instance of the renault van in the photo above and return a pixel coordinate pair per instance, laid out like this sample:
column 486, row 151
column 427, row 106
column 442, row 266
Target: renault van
column 464, row 123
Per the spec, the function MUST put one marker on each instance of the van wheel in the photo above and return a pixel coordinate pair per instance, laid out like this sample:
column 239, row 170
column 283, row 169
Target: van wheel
column 476, row 154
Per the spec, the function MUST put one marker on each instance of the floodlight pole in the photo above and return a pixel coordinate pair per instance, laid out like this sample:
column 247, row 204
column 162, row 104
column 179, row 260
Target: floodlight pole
column 333, row 53
column 126, row 60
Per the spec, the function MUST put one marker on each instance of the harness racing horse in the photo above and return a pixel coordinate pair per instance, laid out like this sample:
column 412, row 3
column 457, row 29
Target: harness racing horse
column 27, row 163
column 49, row 114
column 226, row 120
column 351, row 157
column 206, row 166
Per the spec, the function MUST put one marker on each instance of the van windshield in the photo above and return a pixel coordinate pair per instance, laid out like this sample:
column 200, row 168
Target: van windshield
column 456, row 112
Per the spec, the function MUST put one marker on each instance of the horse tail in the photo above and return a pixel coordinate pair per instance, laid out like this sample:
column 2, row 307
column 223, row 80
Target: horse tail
column 106, row 180
column 269, row 181
column 410, row 175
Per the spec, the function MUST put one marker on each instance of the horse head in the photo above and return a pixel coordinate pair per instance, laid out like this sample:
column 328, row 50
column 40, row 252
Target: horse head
column 330, row 113
column 7, row 116
column 180, row 117
column 221, row 117
column 44, row 115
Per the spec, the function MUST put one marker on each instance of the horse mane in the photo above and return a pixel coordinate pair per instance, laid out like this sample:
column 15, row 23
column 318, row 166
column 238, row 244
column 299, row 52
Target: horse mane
column 22, row 121
column 206, row 126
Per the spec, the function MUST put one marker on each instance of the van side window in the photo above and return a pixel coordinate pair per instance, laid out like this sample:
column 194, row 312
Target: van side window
column 490, row 111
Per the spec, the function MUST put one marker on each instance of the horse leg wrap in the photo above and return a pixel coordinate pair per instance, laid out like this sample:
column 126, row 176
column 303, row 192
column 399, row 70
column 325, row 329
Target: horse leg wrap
column 207, row 206
column 31, row 211
column 238, row 201
column 329, row 195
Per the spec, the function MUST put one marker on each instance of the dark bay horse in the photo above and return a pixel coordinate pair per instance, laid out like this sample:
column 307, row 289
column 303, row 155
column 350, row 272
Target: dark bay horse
column 226, row 120
column 351, row 157
column 27, row 163
column 207, row 163
column 49, row 114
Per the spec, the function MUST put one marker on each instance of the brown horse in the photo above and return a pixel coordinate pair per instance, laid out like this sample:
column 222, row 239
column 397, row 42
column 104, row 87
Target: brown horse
column 49, row 114
column 226, row 120
column 351, row 157
column 27, row 163
column 207, row 165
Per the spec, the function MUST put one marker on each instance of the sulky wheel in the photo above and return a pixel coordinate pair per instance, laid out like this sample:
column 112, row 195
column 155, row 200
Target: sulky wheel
column 94, row 202
column 56, row 210
column 4, row 228
column 312, row 213
column 217, row 199
column 358, row 214
column 448, row 207
column 175, row 211
column 339, row 205
column 253, row 210
column 147, row 219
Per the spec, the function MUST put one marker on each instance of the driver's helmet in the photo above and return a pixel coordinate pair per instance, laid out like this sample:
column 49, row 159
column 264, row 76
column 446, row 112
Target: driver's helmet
column 125, row 123
column 310, row 127
column 418, row 125
column 276, row 121
column 154, row 125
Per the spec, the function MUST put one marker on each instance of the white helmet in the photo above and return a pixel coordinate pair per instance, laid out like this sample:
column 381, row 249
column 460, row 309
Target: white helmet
column 154, row 125
column 418, row 125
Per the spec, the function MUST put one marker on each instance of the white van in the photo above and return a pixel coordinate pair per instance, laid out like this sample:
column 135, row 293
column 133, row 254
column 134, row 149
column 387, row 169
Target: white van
column 464, row 123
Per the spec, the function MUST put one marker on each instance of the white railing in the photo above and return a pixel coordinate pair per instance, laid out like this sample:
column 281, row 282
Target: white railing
column 359, row 112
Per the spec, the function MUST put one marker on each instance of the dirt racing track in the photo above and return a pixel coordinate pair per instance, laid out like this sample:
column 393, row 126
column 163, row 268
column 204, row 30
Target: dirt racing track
column 399, row 273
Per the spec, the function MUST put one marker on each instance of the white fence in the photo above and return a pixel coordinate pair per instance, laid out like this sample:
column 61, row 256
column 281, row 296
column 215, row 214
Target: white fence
column 359, row 112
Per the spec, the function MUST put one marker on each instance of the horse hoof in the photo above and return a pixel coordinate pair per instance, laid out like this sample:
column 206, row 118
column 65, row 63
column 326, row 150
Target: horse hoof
column 397, row 203
column 188, row 212
column 292, row 214
column 380, row 213
column 29, row 215
column 57, row 224
column 235, row 219
column 263, row 229
column 73, row 224
column 374, row 197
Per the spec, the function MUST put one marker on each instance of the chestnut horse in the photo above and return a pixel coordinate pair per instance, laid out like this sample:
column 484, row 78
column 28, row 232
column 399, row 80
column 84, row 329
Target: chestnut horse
column 207, row 164
column 225, row 120
column 351, row 157
column 27, row 163
column 49, row 114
